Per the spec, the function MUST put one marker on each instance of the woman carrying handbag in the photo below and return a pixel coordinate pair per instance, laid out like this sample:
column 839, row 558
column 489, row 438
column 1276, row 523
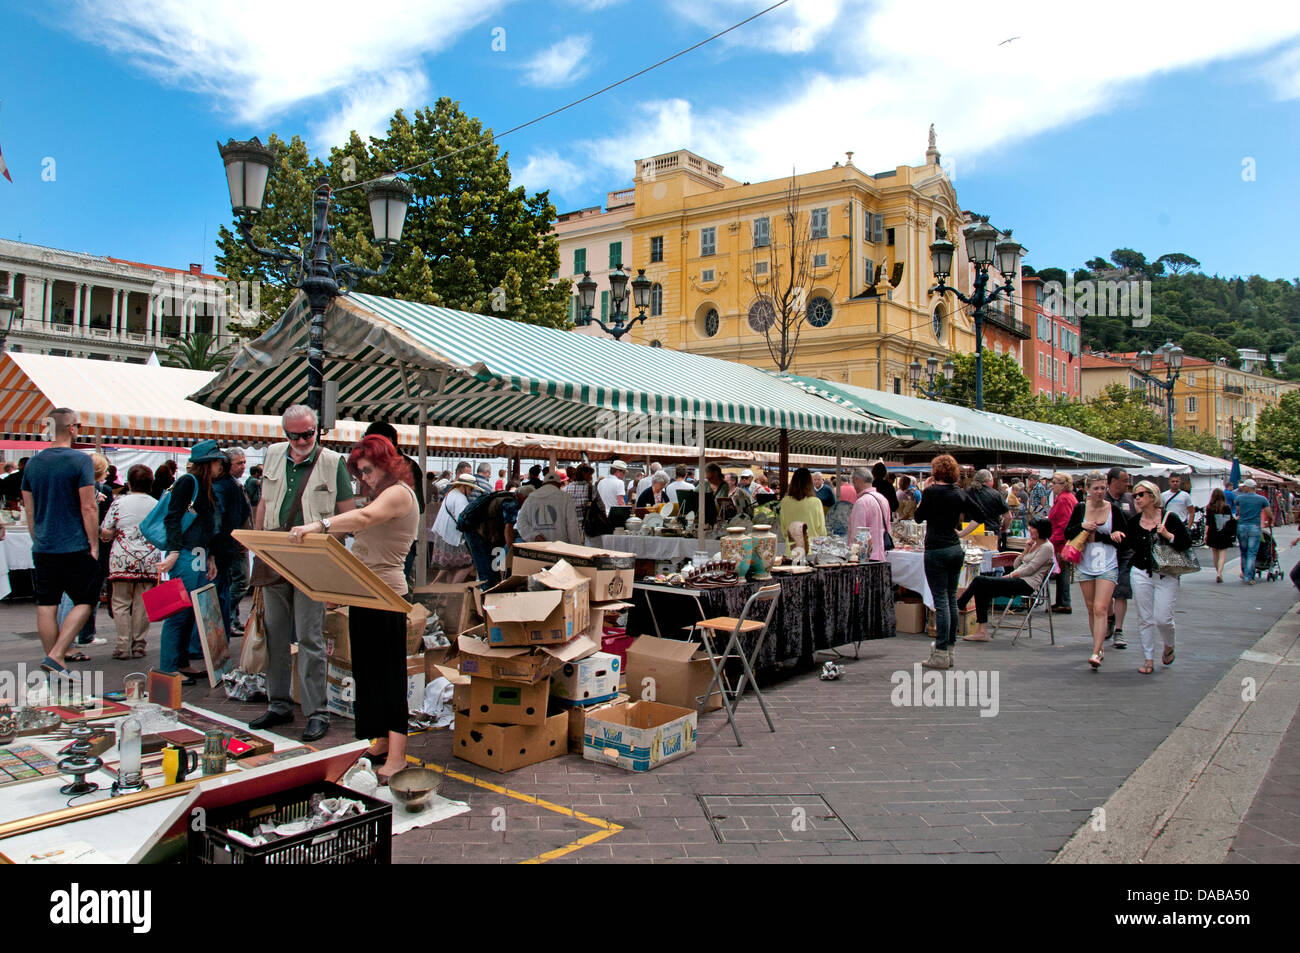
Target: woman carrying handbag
column 1099, row 525
column 189, row 553
column 1156, row 592
column 1220, row 531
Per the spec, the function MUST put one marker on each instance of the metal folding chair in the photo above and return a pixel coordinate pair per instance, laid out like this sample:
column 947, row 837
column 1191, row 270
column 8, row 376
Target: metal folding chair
column 1038, row 599
column 709, row 629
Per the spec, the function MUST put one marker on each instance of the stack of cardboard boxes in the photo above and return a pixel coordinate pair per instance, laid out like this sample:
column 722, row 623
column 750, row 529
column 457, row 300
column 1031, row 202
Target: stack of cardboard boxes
column 340, row 696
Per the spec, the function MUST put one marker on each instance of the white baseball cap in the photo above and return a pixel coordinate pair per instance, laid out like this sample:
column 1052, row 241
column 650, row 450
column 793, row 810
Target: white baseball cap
column 746, row 473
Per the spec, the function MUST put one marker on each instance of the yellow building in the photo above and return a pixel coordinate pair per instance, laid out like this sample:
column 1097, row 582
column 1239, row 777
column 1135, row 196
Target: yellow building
column 1208, row 397
column 708, row 243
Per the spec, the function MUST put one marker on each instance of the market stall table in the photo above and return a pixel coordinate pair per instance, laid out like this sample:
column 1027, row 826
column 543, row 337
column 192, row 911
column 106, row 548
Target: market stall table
column 674, row 548
column 909, row 571
column 829, row 607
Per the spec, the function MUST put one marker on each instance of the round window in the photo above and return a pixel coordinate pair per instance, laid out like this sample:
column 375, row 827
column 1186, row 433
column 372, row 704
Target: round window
column 819, row 312
column 711, row 323
column 761, row 316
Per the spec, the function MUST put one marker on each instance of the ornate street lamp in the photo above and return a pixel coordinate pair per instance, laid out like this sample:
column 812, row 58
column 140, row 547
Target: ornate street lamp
column 930, row 389
column 618, row 300
column 313, row 268
column 1173, row 358
column 985, row 246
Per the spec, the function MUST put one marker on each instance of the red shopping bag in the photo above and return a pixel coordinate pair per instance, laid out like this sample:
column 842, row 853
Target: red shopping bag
column 166, row 599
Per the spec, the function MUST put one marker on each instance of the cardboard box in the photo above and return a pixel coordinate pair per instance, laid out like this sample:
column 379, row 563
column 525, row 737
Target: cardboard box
column 518, row 664
column 639, row 736
column 460, row 686
column 966, row 623
column 340, row 688
column 454, row 603
column 679, row 673
column 547, row 608
column 504, row 748
column 337, row 643
column 592, row 679
column 578, row 719
column 437, row 657
column 610, row 572
column 909, row 617
column 416, row 620
column 501, row 702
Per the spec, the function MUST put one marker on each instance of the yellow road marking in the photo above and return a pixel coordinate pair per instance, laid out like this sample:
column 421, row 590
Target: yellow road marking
column 605, row 828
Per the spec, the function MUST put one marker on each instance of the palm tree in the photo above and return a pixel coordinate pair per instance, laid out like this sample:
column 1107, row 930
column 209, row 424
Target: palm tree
column 197, row 352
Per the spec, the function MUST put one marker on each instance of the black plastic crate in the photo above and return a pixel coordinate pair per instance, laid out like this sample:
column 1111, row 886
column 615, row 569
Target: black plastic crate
column 366, row 838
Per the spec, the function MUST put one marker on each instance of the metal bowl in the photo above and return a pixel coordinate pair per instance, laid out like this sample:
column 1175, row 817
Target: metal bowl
column 413, row 787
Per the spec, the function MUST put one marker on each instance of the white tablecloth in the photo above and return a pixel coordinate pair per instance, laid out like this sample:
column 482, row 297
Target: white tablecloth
column 909, row 571
column 17, row 547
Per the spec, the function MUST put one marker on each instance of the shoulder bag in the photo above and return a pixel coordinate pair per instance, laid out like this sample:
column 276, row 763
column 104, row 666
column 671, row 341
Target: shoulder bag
column 153, row 527
column 262, row 574
column 1168, row 561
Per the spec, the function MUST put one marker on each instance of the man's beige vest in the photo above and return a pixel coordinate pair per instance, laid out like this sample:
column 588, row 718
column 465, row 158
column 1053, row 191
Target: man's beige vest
column 319, row 499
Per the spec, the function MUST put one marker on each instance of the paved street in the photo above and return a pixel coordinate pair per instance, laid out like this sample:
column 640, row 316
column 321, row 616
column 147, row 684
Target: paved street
column 851, row 777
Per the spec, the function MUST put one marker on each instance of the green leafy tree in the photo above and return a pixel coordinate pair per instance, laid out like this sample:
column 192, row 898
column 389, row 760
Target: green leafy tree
column 1005, row 385
column 470, row 242
column 1277, row 437
column 1176, row 263
column 197, row 352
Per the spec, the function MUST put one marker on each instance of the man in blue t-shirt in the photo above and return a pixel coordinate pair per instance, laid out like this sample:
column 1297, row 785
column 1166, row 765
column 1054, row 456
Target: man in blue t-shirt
column 1253, row 516
column 63, row 518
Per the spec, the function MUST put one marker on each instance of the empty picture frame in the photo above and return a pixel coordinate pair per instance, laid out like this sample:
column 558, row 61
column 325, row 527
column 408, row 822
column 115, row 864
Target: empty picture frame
column 322, row 567
column 212, row 633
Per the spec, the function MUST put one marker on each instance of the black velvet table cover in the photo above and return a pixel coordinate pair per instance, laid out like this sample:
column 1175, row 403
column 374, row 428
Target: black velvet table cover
column 831, row 606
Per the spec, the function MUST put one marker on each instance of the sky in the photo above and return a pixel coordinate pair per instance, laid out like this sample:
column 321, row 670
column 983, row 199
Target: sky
column 1171, row 128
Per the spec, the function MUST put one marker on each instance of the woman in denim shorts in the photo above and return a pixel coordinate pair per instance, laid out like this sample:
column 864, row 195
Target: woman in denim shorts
column 1098, row 571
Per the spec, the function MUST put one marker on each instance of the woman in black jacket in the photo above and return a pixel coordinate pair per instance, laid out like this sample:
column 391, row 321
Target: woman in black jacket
column 1098, row 570
column 943, row 506
column 1155, row 593
column 884, row 485
column 189, row 552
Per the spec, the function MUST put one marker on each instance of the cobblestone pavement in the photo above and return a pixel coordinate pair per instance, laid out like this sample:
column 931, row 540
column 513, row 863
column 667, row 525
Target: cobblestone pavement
column 849, row 776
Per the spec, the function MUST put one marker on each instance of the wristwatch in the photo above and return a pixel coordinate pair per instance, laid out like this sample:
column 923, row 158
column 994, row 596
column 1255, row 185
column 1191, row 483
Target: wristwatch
column 326, row 524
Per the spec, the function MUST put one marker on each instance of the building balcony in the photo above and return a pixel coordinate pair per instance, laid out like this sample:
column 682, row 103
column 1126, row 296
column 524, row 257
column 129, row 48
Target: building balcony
column 1013, row 326
column 1234, row 389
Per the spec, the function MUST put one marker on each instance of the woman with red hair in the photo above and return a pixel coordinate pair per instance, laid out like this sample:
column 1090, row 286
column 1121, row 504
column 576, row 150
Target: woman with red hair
column 382, row 534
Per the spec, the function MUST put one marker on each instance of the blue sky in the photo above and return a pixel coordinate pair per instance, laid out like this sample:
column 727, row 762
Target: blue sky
column 1083, row 135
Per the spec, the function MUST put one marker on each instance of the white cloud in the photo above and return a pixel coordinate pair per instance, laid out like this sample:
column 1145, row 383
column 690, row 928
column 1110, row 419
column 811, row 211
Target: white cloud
column 548, row 170
column 798, row 27
column 258, row 59
column 982, row 96
column 369, row 105
column 1282, row 73
column 560, row 64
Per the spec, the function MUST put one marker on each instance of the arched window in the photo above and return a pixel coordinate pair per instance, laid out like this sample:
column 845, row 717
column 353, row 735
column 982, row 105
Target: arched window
column 656, row 300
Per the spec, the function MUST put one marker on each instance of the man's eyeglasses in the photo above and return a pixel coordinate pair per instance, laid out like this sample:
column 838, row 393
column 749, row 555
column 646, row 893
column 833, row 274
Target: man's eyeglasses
column 300, row 434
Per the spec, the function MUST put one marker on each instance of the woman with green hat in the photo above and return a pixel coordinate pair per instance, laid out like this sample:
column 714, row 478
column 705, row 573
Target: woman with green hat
column 189, row 552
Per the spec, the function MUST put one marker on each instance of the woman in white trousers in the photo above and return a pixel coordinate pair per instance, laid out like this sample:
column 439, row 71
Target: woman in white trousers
column 1155, row 594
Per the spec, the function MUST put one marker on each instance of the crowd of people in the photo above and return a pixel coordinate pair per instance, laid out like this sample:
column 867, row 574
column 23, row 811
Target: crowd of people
column 88, row 544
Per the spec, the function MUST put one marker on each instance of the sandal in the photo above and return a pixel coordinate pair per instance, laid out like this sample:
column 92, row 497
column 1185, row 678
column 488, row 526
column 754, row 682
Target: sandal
column 1168, row 656
column 140, row 654
column 375, row 757
column 1095, row 661
column 76, row 657
column 120, row 655
column 1147, row 668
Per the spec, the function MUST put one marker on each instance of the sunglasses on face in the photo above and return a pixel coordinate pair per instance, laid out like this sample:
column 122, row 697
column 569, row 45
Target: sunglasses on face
column 300, row 434
column 1140, row 493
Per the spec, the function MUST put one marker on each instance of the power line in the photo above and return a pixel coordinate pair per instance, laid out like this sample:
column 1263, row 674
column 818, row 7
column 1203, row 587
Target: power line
column 577, row 102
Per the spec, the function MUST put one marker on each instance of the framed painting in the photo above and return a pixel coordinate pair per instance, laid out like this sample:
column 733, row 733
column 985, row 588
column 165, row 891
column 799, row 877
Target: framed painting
column 212, row 633
column 322, row 567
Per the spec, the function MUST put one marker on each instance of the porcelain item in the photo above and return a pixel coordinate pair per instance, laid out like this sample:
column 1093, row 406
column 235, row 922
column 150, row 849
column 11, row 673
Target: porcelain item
column 764, row 551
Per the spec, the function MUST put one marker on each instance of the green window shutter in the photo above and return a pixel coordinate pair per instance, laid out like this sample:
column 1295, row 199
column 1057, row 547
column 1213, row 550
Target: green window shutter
column 615, row 254
column 604, row 305
column 579, row 260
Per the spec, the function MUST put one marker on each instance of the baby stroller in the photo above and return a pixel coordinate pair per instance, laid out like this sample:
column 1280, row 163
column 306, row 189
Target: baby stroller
column 1267, row 565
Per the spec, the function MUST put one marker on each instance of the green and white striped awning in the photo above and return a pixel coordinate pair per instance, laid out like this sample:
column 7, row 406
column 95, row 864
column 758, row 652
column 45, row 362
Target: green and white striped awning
column 392, row 357
column 938, row 427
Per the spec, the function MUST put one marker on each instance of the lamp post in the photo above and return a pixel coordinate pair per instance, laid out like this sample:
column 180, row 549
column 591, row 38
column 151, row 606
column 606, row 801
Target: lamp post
column 983, row 248
column 1173, row 358
column 10, row 308
column 618, row 300
column 313, row 268
column 930, row 389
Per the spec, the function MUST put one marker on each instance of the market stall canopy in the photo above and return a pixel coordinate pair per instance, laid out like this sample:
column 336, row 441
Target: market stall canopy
column 937, row 427
column 1090, row 449
column 391, row 358
column 1202, row 463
